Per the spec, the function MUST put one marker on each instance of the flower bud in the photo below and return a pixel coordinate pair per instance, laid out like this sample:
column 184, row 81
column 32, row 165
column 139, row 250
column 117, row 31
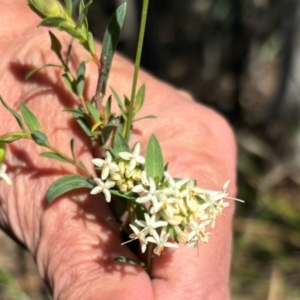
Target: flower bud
column 123, row 188
column 47, row 8
column 121, row 166
column 2, row 151
column 115, row 176
column 130, row 184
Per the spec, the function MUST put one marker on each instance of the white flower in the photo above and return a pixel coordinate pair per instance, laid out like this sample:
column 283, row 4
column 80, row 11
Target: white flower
column 3, row 174
column 174, row 187
column 197, row 233
column 138, row 234
column 151, row 223
column 103, row 187
column 133, row 157
column 150, row 195
column 161, row 242
column 106, row 165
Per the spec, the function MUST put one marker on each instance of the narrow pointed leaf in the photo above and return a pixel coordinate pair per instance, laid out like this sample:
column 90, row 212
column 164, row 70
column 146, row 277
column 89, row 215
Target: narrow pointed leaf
column 31, row 73
column 91, row 43
column 52, row 22
column 66, row 184
column 29, row 118
column 55, row 156
column 140, row 96
column 69, row 6
column 146, row 117
column 70, row 84
column 72, row 148
column 40, row 138
column 109, row 43
column 14, row 113
column 93, row 111
column 80, row 78
column 119, row 102
column 56, row 46
column 120, row 144
column 154, row 164
column 72, row 32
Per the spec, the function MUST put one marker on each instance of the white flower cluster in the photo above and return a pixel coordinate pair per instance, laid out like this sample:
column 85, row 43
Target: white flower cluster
column 177, row 207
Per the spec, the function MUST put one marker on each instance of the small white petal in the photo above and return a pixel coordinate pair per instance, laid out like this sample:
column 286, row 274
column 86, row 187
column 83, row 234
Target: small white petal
column 107, row 195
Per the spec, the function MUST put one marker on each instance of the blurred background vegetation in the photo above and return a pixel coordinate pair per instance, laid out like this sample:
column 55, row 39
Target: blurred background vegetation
column 241, row 57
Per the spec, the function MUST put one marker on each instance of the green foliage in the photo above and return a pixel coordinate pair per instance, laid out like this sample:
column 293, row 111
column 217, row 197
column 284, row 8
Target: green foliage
column 154, row 164
column 66, row 184
column 14, row 113
column 80, row 81
column 120, row 104
column 140, row 97
column 120, row 144
column 31, row 73
column 109, row 44
column 55, row 156
column 29, row 118
column 40, row 138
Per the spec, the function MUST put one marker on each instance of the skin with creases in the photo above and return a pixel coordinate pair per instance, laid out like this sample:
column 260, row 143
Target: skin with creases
column 71, row 240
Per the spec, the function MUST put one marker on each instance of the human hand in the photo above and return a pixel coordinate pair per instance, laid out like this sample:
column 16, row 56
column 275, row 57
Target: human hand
column 72, row 241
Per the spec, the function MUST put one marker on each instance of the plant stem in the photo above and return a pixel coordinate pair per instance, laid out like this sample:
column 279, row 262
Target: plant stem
column 136, row 68
column 149, row 258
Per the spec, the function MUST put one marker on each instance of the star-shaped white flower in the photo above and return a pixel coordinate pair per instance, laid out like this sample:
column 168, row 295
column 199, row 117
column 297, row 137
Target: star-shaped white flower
column 133, row 157
column 103, row 187
column 197, row 233
column 161, row 241
column 3, row 174
column 150, row 195
column 174, row 187
column 106, row 165
column 151, row 223
column 138, row 234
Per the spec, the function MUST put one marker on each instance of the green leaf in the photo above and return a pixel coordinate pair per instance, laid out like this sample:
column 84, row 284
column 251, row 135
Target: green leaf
column 119, row 102
column 72, row 149
column 69, row 83
column 31, row 73
column 154, row 164
column 85, row 29
column 93, row 111
column 80, row 78
column 69, row 52
column 66, row 184
column 83, row 10
column 53, row 155
column 121, row 195
column 109, row 43
column 140, row 209
column 120, row 144
column 14, row 113
column 131, row 261
column 69, row 6
column 29, row 118
column 56, row 46
column 52, row 22
column 140, row 96
column 172, row 233
column 146, row 117
column 40, row 138
column 91, row 43
column 106, row 133
column 72, row 32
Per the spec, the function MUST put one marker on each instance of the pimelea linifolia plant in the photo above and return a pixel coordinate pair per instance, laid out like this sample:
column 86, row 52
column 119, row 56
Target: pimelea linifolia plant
column 162, row 209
